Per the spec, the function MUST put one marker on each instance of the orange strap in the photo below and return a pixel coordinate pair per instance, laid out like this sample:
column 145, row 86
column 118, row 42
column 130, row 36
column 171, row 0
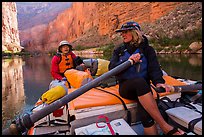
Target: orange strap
column 107, row 122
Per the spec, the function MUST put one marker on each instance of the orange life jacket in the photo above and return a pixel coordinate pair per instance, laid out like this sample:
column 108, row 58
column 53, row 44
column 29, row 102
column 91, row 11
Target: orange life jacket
column 65, row 63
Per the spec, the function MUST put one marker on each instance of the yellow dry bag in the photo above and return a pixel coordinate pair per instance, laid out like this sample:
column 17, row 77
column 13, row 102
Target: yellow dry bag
column 54, row 94
column 102, row 66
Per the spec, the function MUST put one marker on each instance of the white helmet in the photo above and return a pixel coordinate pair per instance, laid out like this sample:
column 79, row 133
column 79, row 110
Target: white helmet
column 64, row 42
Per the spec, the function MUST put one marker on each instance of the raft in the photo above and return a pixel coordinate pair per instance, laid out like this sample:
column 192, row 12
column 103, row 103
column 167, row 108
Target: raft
column 85, row 109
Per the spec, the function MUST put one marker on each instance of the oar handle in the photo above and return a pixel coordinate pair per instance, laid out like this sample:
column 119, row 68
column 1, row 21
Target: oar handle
column 187, row 88
column 183, row 88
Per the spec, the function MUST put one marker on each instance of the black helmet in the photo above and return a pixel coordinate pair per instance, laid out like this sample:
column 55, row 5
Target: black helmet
column 129, row 26
column 64, row 42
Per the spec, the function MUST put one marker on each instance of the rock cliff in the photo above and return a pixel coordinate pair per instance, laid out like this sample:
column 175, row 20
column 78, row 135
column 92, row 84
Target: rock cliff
column 35, row 13
column 92, row 24
column 10, row 33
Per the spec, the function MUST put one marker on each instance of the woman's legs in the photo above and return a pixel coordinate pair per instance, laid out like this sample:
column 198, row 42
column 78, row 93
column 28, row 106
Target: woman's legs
column 149, row 103
column 138, row 88
column 130, row 89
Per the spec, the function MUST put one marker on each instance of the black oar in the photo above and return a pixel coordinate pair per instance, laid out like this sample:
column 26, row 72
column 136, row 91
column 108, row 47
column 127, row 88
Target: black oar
column 28, row 120
column 187, row 88
column 183, row 88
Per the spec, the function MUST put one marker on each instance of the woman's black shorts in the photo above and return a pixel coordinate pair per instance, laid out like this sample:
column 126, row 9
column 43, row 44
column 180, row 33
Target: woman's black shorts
column 131, row 89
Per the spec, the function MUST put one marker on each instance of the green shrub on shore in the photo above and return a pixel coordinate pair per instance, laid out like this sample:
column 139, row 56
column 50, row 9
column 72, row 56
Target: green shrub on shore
column 185, row 40
column 9, row 53
column 80, row 48
column 107, row 50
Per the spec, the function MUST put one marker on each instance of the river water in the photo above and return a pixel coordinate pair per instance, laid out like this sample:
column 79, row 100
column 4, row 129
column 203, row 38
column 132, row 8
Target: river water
column 25, row 79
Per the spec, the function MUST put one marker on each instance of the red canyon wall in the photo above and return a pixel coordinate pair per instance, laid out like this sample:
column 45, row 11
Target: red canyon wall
column 92, row 23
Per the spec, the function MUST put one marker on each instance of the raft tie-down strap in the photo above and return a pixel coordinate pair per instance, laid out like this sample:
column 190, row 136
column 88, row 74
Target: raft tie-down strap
column 129, row 118
column 107, row 122
column 193, row 122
